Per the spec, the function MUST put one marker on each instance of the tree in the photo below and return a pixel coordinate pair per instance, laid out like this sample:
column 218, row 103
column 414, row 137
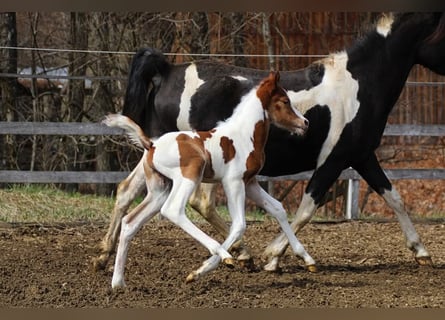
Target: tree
column 238, row 38
column 8, row 86
column 77, row 66
column 102, row 101
column 268, row 40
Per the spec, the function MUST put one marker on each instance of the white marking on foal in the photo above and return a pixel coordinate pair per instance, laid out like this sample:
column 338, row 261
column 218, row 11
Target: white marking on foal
column 191, row 82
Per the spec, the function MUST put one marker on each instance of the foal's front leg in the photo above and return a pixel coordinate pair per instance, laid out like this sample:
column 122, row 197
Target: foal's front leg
column 203, row 201
column 276, row 209
column 236, row 197
column 322, row 179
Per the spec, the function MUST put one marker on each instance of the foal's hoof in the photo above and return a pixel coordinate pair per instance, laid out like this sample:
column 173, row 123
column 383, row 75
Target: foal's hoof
column 424, row 261
column 193, row 276
column 118, row 285
column 230, row 262
column 312, row 268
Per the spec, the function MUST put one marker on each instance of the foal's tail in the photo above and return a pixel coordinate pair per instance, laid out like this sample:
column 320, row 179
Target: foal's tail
column 135, row 132
column 147, row 64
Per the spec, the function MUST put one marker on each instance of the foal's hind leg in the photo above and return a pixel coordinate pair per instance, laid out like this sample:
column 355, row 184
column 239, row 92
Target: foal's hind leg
column 127, row 191
column 131, row 224
column 275, row 208
column 174, row 210
column 203, row 201
column 235, row 191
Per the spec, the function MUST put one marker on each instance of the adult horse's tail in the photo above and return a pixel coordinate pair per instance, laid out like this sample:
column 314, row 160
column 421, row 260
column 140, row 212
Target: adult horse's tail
column 147, row 64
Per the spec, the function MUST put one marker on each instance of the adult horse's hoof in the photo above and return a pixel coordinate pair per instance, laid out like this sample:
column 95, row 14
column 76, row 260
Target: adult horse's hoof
column 424, row 261
column 99, row 263
column 230, row 262
column 247, row 264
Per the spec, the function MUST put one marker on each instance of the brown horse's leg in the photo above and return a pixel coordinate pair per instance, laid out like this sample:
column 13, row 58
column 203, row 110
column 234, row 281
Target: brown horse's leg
column 127, row 191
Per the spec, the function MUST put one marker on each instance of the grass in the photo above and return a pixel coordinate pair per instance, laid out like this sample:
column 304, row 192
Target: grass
column 46, row 204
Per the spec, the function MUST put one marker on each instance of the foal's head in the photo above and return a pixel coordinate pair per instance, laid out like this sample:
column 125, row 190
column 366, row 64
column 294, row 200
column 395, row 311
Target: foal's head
column 277, row 104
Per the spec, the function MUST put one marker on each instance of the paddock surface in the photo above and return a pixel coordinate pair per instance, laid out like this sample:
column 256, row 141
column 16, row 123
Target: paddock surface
column 361, row 264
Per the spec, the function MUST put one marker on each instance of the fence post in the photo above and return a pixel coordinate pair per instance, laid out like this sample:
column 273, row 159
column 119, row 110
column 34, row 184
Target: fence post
column 352, row 199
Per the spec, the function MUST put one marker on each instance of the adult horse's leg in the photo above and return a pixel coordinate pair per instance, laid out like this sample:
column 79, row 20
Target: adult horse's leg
column 127, row 191
column 203, row 201
column 319, row 184
column 373, row 174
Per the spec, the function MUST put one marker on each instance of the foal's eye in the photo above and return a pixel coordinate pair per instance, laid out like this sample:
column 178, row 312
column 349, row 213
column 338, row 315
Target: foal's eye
column 286, row 101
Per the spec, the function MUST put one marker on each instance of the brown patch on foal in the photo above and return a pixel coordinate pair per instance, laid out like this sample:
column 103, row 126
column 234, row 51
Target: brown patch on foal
column 267, row 88
column 192, row 156
column 227, row 148
column 255, row 160
column 204, row 135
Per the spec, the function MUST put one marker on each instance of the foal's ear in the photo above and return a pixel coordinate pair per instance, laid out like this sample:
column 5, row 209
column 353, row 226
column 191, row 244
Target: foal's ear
column 275, row 77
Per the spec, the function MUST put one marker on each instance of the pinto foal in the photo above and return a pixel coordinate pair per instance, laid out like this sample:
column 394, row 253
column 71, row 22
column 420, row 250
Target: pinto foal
column 232, row 153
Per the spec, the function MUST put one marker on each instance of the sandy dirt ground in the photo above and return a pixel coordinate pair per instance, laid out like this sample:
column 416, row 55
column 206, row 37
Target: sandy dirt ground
column 361, row 264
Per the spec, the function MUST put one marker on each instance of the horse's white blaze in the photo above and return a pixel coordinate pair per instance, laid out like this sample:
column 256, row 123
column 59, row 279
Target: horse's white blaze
column 336, row 92
column 191, row 83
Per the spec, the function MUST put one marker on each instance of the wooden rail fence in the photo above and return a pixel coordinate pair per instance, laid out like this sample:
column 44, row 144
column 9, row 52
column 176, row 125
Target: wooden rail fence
column 95, row 129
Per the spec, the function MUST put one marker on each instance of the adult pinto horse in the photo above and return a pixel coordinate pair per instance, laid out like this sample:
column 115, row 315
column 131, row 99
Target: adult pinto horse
column 346, row 97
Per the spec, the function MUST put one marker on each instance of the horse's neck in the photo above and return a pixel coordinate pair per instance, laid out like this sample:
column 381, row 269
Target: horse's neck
column 381, row 65
column 393, row 43
column 245, row 116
